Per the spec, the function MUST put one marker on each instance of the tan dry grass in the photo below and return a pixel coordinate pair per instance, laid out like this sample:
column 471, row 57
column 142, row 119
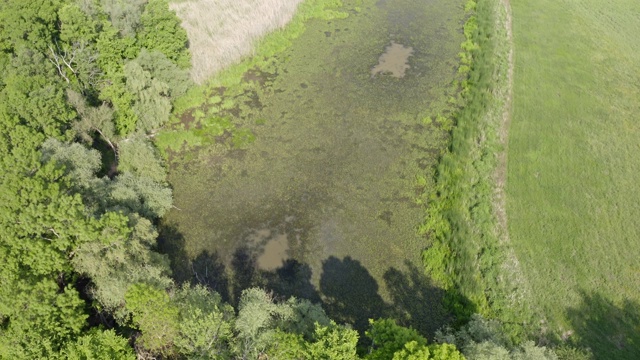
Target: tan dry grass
column 221, row 32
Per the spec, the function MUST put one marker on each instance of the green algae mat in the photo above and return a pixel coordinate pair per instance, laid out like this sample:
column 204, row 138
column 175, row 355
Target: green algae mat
column 315, row 191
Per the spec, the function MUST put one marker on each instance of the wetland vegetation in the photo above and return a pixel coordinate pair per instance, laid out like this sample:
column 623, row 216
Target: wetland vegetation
column 342, row 129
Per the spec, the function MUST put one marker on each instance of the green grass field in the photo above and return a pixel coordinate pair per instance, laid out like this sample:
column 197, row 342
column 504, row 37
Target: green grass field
column 573, row 196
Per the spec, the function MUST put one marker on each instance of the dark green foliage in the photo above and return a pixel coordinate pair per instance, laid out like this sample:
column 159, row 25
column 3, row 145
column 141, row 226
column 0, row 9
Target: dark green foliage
column 93, row 120
column 151, row 102
column 161, row 31
column 155, row 316
column 139, row 188
column 75, row 54
column 28, row 23
column 81, row 163
column 32, row 94
column 333, row 342
column 131, row 193
column 161, row 68
column 486, row 339
column 206, row 324
column 139, row 157
column 55, row 218
column 257, row 320
column 39, row 316
column 124, row 256
column 290, row 330
column 114, row 50
column 153, row 81
column 99, row 345
column 41, row 223
column 76, row 26
column 387, row 338
column 414, row 351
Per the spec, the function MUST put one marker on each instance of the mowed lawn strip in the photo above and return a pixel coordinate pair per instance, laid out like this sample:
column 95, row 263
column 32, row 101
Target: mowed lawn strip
column 573, row 191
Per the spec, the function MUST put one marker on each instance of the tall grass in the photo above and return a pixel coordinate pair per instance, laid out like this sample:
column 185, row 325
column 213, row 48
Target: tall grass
column 221, row 32
column 466, row 256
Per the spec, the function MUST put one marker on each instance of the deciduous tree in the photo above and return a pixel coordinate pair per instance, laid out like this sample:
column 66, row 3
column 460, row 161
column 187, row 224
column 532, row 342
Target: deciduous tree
column 161, row 31
column 155, row 316
column 99, row 345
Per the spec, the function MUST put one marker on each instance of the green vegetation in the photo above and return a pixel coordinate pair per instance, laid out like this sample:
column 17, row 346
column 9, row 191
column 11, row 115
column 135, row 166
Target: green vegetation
column 82, row 187
column 204, row 102
column 301, row 149
column 466, row 256
column 573, row 164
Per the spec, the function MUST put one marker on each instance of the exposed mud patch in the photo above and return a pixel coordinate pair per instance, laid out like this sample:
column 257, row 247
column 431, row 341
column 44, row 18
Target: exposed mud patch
column 275, row 250
column 394, row 61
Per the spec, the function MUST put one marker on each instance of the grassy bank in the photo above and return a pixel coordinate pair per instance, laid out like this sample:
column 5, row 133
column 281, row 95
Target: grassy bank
column 574, row 160
column 468, row 254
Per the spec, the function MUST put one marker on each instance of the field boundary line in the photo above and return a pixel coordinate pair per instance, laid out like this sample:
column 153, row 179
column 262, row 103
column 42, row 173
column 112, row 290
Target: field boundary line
column 511, row 265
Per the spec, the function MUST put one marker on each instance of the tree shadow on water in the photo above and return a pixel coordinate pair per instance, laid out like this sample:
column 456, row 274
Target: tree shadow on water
column 209, row 270
column 241, row 272
column 611, row 331
column 350, row 293
column 171, row 242
column 416, row 302
column 293, row 278
column 245, row 273
column 205, row 269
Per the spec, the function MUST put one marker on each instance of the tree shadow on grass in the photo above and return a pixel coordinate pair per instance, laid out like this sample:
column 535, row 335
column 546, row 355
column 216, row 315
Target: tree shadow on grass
column 416, row 302
column 611, row 331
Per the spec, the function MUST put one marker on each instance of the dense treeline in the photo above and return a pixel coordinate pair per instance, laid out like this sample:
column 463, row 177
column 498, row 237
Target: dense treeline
column 84, row 85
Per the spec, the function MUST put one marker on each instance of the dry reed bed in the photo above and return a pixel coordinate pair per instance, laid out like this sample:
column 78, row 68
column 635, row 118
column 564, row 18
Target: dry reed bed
column 221, row 32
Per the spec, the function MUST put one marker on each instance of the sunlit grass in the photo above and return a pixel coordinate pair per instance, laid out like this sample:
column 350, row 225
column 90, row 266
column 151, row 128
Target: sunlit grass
column 574, row 160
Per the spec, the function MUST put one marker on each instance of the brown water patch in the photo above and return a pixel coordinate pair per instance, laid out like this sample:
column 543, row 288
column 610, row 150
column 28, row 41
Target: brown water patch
column 393, row 61
column 275, row 250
